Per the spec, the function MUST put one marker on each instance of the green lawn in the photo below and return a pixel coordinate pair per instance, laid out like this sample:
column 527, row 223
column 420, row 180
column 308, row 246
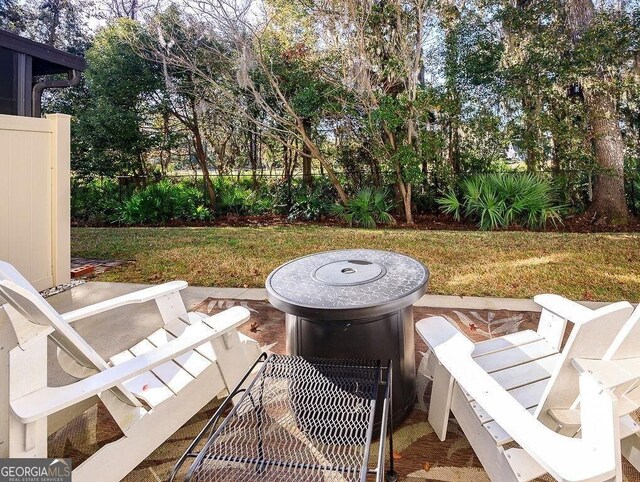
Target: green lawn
column 508, row 264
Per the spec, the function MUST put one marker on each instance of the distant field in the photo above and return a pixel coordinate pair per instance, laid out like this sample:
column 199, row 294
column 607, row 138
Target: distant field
column 601, row 267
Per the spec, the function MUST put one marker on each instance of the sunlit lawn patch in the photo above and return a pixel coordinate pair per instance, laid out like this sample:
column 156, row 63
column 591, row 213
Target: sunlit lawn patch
column 505, row 264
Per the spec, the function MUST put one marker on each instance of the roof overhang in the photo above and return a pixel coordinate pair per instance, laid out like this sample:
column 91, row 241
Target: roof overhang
column 45, row 59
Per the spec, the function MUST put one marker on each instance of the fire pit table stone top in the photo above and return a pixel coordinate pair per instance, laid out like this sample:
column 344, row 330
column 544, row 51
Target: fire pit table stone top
column 361, row 281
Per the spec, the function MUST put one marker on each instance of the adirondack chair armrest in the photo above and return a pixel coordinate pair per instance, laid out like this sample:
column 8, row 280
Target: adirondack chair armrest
column 593, row 457
column 436, row 330
column 140, row 296
column 48, row 400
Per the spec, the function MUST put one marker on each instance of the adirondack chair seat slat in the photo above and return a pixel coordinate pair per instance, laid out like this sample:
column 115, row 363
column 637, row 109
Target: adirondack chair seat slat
column 505, row 342
column 499, row 435
column 514, row 356
column 526, row 373
column 192, row 361
column 523, row 374
column 628, row 426
column 171, row 374
column 174, row 372
column 177, row 328
column 527, row 395
column 146, row 386
column 522, row 464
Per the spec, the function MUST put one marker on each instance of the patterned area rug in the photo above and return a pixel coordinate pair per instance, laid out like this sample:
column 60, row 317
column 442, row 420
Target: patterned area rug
column 418, row 454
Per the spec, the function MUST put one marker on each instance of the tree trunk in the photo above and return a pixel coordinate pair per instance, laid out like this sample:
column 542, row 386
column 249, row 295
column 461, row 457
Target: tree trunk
column 404, row 188
column 165, row 152
column 405, row 191
column 531, row 131
column 609, row 202
column 201, row 154
column 253, row 158
column 221, row 156
column 285, row 161
column 454, row 142
column 451, row 20
column 307, row 178
column 315, row 152
column 202, row 161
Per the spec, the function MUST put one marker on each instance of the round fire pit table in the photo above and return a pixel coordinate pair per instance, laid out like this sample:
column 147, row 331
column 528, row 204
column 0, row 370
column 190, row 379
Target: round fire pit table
column 350, row 304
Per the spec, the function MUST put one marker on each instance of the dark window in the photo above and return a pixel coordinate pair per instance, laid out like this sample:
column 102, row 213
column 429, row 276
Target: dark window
column 8, row 80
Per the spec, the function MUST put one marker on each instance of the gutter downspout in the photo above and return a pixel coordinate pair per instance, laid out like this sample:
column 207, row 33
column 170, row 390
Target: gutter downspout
column 38, row 88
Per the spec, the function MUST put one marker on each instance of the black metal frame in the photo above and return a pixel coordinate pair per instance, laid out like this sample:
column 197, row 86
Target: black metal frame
column 385, row 381
column 216, row 416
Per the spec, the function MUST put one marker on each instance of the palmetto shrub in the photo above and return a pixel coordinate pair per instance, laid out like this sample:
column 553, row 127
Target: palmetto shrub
column 162, row 202
column 500, row 200
column 367, row 208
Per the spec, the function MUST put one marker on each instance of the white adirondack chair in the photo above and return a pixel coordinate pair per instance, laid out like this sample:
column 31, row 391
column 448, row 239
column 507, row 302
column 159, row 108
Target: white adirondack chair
column 150, row 390
column 528, row 408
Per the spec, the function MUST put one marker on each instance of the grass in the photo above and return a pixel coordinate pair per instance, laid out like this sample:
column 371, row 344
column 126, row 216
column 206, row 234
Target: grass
column 601, row 267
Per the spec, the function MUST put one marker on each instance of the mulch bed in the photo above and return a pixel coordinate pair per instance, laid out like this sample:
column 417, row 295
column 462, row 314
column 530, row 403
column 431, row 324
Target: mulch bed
column 433, row 222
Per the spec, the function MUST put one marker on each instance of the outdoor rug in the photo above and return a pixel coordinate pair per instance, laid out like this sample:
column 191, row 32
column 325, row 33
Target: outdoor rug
column 418, row 453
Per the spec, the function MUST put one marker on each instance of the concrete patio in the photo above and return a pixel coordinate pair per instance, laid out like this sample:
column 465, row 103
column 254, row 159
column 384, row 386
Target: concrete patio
column 112, row 332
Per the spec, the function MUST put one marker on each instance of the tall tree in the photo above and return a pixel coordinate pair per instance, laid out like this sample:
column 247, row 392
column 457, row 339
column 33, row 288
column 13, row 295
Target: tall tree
column 383, row 45
column 116, row 125
column 598, row 87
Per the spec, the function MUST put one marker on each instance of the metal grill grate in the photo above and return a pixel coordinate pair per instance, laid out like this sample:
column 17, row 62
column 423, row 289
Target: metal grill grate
column 301, row 419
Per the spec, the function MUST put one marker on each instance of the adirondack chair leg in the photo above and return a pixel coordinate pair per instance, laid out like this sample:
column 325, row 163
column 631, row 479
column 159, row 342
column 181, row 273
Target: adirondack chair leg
column 440, row 404
column 232, row 357
column 124, row 414
column 27, row 373
column 630, row 448
column 491, row 457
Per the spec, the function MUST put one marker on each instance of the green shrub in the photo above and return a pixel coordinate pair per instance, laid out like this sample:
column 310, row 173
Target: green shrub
column 163, row 202
column 298, row 201
column 632, row 187
column 95, row 201
column 499, row 200
column 239, row 197
column 573, row 188
column 367, row 208
column 231, row 197
column 311, row 204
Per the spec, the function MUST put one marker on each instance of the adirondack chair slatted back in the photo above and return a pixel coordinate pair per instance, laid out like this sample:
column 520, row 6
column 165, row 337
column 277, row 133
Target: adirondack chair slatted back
column 590, row 338
column 18, row 293
column 35, row 310
column 624, row 347
column 626, row 344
